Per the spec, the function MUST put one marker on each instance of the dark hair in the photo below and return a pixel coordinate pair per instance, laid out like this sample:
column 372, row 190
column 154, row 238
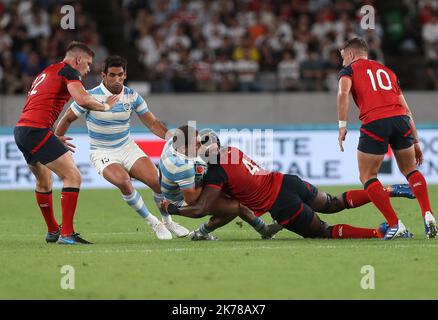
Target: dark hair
column 76, row 45
column 183, row 136
column 114, row 61
column 209, row 137
column 356, row 43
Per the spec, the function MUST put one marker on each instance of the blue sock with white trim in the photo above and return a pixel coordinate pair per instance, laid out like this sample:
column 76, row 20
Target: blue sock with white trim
column 158, row 197
column 204, row 229
column 135, row 201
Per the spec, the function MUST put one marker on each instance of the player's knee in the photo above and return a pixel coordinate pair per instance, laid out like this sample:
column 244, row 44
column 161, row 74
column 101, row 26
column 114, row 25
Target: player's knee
column 72, row 177
column 155, row 186
column 44, row 184
column 125, row 186
column 333, row 204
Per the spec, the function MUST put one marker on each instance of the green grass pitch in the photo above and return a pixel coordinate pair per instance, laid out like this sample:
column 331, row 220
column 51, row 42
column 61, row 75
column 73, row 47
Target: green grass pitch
column 128, row 262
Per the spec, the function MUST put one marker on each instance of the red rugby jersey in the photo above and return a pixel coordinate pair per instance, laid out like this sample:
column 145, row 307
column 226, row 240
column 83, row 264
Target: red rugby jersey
column 48, row 95
column 375, row 90
column 240, row 177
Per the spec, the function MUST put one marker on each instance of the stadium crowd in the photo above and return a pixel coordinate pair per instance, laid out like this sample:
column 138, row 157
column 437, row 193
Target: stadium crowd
column 31, row 39
column 202, row 45
column 244, row 45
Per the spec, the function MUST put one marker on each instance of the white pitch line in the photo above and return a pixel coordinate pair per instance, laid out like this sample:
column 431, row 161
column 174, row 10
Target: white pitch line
column 267, row 248
column 246, row 248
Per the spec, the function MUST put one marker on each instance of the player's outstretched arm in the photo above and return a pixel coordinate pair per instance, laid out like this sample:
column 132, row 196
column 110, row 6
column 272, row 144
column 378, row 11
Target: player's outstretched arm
column 418, row 152
column 155, row 125
column 191, row 195
column 62, row 128
column 201, row 207
column 87, row 101
column 343, row 102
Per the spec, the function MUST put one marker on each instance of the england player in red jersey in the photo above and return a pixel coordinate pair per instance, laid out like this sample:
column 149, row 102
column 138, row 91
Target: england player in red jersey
column 181, row 183
column 291, row 201
column 42, row 150
column 386, row 120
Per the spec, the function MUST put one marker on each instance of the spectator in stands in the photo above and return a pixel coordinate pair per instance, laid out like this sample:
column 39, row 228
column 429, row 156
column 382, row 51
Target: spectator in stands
column 150, row 46
column 430, row 37
column 288, row 72
column 246, row 49
column 247, row 69
column 226, row 31
column 13, row 82
column 204, row 74
column 183, row 80
column 312, row 71
column 223, row 71
column 179, row 38
column 164, row 75
column 334, row 64
column 430, row 40
column 37, row 23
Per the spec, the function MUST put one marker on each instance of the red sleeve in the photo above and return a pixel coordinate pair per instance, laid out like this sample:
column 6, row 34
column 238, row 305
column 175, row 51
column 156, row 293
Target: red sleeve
column 346, row 72
column 69, row 74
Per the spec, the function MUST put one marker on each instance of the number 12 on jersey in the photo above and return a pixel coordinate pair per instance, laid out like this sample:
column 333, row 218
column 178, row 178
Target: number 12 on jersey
column 36, row 83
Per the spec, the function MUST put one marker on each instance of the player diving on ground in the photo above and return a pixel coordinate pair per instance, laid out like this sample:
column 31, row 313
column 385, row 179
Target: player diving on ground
column 180, row 186
column 291, row 201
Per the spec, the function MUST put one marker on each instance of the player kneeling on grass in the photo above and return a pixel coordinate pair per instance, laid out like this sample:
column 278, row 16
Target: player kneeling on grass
column 114, row 153
column 178, row 166
column 291, row 201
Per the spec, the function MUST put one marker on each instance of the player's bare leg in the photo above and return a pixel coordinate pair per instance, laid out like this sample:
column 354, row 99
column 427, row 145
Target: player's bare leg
column 65, row 168
column 119, row 177
column 145, row 171
column 43, row 195
column 407, row 164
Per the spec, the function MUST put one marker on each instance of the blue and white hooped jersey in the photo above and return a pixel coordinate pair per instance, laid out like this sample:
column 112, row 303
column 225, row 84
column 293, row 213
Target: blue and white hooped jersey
column 177, row 173
column 110, row 129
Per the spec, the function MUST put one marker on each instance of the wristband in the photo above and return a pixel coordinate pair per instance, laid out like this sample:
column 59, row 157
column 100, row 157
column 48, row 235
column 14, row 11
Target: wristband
column 106, row 106
column 172, row 209
column 342, row 124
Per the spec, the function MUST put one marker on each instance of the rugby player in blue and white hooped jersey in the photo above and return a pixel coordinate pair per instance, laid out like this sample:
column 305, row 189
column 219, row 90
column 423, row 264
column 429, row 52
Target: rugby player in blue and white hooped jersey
column 114, row 154
column 178, row 167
